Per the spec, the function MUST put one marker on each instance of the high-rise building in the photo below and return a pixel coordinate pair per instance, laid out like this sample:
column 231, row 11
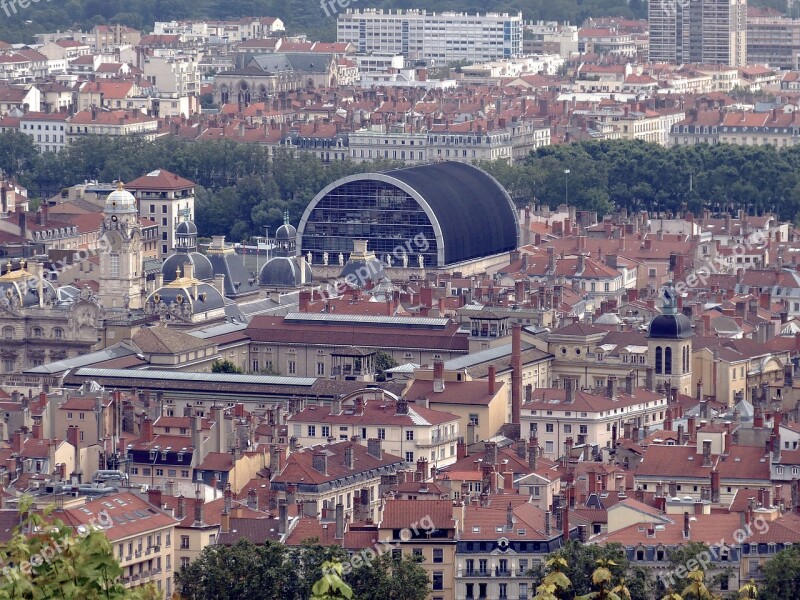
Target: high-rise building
column 442, row 37
column 698, row 31
column 772, row 38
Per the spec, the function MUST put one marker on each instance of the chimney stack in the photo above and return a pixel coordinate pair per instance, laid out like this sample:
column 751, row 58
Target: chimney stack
column 438, row 376
column 516, row 373
column 339, row 521
column 706, row 453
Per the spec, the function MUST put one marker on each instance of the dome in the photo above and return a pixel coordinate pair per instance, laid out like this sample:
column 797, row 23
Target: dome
column 120, row 201
column 20, row 288
column 202, row 266
column 208, row 297
column 284, row 271
column 674, row 327
column 286, row 232
column 186, row 228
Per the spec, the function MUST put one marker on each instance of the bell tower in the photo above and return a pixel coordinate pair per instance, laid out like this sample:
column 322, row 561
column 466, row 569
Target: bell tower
column 669, row 344
column 121, row 279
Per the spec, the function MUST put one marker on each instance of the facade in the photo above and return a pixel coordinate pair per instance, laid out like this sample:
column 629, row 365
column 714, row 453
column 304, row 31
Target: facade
column 441, row 37
column 46, row 130
column 669, row 346
column 121, row 265
column 772, row 128
column 405, row 429
column 167, row 199
column 429, row 215
column 173, row 75
column 111, row 122
column 341, row 473
column 141, row 537
column 773, row 39
column 306, row 344
column 707, row 31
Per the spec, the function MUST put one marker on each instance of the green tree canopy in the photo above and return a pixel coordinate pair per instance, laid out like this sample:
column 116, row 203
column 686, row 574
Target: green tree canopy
column 224, row 366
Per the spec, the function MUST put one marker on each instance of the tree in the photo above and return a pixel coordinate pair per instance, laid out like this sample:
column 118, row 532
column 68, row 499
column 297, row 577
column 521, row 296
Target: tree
column 604, row 581
column 782, row 575
column 330, row 586
column 697, row 587
column 383, row 362
column 556, row 582
column 242, row 571
column 224, row 366
column 47, row 559
column 387, row 578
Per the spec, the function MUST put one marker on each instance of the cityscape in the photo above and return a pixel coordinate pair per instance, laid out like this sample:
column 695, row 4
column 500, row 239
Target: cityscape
column 382, row 302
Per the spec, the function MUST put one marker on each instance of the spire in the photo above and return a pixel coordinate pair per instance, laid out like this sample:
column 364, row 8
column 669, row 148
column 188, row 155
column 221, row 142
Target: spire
column 120, row 185
column 286, row 217
column 670, row 306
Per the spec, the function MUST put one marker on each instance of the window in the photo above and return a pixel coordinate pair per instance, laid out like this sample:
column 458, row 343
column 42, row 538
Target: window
column 184, row 473
column 668, row 361
column 438, row 555
column 659, row 360
column 37, row 332
column 438, row 581
column 113, row 265
column 184, row 542
column 291, row 367
column 8, row 333
column 58, row 333
column 548, row 447
column 548, row 427
column 326, row 431
column 410, row 457
column 473, row 419
column 410, row 435
column 381, row 433
column 160, row 472
column 312, row 430
column 320, row 368
column 567, row 428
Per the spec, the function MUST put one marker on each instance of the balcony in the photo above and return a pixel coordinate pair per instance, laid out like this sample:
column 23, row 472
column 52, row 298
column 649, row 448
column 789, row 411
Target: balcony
column 438, row 440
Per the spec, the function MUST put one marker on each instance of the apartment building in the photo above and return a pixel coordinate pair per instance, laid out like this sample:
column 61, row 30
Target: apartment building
column 440, row 37
column 141, row 536
column 166, row 198
column 342, row 473
column 772, row 38
column 427, row 530
column 173, row 74
column 707, row 31
column 46, row 130
column 411, row 431
column 774, row 128
column 550, row 37
column 111, row 122
column 560, row 417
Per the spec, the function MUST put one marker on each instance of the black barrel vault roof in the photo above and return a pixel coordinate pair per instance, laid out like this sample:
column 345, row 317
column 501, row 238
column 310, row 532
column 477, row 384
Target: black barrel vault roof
column 473, row 210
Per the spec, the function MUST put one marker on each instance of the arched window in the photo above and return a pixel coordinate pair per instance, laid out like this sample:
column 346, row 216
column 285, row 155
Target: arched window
column 37, row 332
column 668, row 361
column 659, row 358
column 58, row 332
column 8, row 333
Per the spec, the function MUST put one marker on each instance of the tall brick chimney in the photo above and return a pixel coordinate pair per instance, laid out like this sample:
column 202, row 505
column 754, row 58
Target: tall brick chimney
column 516, row 373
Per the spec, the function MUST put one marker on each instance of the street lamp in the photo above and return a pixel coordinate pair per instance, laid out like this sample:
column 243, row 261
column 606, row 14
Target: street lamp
column 566, row 186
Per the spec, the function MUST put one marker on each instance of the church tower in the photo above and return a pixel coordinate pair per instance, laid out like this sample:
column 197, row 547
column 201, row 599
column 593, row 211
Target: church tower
column 669, row 344
column 121, row 280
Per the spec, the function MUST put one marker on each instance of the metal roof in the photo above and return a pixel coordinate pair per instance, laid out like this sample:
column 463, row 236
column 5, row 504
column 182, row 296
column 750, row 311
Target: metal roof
column 60, row 366
column 205, row 377
column 439, row 323
column 476, row 358
column 218, row 330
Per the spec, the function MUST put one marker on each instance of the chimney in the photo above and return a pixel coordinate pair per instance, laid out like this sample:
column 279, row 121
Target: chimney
column 516, row 373
column 714, row 486
column 547, row 524
column 569, row 396
column 522, row 449
column 349, row 463
column 629, row 384
column 510, row 517
column 491, row 380
column 320, row 461
column 691, row 431
column 154, row 497
column 283, row 520
column 36, row 430
column 686, row 525
column 374, row 448
column 533, row 454
column 611, row 388
column 438, row 376
column 650, row 379
column 147, row 430
column 252, row 499
column 198, row 508
column 339, row 521
column 180, row 511
column 706, row 453
column 422, row 469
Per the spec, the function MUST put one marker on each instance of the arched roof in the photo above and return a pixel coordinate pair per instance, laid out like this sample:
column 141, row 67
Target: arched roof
column 471, row 213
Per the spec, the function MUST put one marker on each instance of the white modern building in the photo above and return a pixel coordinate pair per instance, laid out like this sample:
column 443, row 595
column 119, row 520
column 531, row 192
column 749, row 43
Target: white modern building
column 441, row 37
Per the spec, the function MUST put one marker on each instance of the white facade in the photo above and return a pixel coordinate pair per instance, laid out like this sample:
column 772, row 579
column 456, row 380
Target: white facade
column 48, row 131
column 443, row 37
column 172, row 75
